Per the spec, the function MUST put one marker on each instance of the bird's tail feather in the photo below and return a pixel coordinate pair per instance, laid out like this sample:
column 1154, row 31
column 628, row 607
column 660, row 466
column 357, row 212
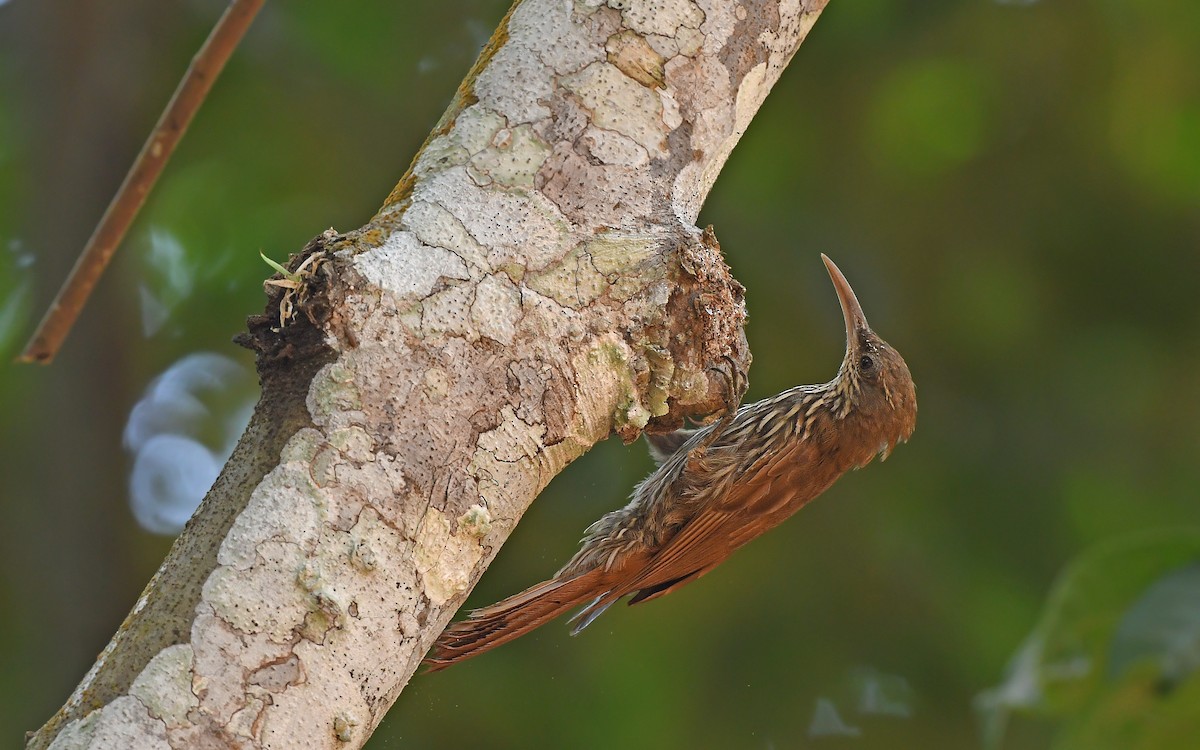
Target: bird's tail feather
column 588, row 614
column 491, row 626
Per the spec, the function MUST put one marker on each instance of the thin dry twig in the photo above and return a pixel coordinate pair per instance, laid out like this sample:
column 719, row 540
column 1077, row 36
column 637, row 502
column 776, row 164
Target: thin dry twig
column 188, row 97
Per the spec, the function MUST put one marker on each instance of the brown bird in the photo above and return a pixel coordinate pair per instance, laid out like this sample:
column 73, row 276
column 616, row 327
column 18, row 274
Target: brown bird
column 716, row 488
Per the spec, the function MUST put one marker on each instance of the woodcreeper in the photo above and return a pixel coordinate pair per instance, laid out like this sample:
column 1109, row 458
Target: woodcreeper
column 716, row 488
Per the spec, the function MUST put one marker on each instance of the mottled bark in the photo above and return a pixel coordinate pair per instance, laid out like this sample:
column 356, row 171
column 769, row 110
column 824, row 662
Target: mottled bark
column 533, row 283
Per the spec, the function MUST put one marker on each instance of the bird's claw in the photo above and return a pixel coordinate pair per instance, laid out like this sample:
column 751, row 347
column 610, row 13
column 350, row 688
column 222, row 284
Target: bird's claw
column 736, row 384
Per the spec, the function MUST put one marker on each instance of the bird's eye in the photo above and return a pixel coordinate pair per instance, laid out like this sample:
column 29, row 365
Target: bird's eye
column 866, row 363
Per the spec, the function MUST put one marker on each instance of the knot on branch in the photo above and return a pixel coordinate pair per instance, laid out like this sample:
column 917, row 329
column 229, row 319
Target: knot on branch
column 688, row 360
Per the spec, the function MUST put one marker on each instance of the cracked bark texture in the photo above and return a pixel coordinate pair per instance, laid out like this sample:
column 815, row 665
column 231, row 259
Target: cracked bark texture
column 534, row 283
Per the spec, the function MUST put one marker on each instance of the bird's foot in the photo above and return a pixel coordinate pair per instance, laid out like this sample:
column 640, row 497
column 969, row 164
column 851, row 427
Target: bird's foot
column 736, row 384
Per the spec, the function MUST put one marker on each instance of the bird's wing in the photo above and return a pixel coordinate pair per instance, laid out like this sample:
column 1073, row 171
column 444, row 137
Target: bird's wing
column 748, row 508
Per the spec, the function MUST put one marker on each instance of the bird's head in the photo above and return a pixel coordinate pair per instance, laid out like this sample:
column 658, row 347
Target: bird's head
column 875, row 384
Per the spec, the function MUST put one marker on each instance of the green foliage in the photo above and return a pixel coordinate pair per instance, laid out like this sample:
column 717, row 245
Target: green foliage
column 1115, row 651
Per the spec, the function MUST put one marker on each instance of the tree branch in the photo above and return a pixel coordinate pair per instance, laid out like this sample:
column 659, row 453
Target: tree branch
column 156, row 152
column 534, row 282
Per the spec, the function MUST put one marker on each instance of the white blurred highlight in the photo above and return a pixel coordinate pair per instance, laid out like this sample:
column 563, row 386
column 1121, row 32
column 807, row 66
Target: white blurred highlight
column 174, row 276
column 826, row 722
column 180, row 434
column 882, row 694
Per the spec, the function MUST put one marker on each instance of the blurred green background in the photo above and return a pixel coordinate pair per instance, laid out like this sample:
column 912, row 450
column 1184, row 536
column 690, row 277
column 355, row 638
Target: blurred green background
column 1012, row 187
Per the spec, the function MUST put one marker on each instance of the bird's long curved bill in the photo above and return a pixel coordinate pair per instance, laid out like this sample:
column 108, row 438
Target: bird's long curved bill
column 851, row 310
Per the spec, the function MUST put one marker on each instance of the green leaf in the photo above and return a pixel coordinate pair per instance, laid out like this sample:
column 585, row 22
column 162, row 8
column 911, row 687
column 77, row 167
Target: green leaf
column 1162, row 628
column 1138, row 712
column 279, row 268
column 1121, row 616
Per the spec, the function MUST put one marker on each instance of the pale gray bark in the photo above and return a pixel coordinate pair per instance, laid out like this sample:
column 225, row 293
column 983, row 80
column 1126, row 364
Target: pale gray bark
column 533, row 283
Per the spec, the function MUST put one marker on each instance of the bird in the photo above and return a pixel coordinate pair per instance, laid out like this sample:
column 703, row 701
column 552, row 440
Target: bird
column 715, row 488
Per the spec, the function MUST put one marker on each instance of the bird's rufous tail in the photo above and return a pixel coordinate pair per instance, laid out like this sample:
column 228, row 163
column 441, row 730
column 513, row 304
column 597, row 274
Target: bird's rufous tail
column 486, row 628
